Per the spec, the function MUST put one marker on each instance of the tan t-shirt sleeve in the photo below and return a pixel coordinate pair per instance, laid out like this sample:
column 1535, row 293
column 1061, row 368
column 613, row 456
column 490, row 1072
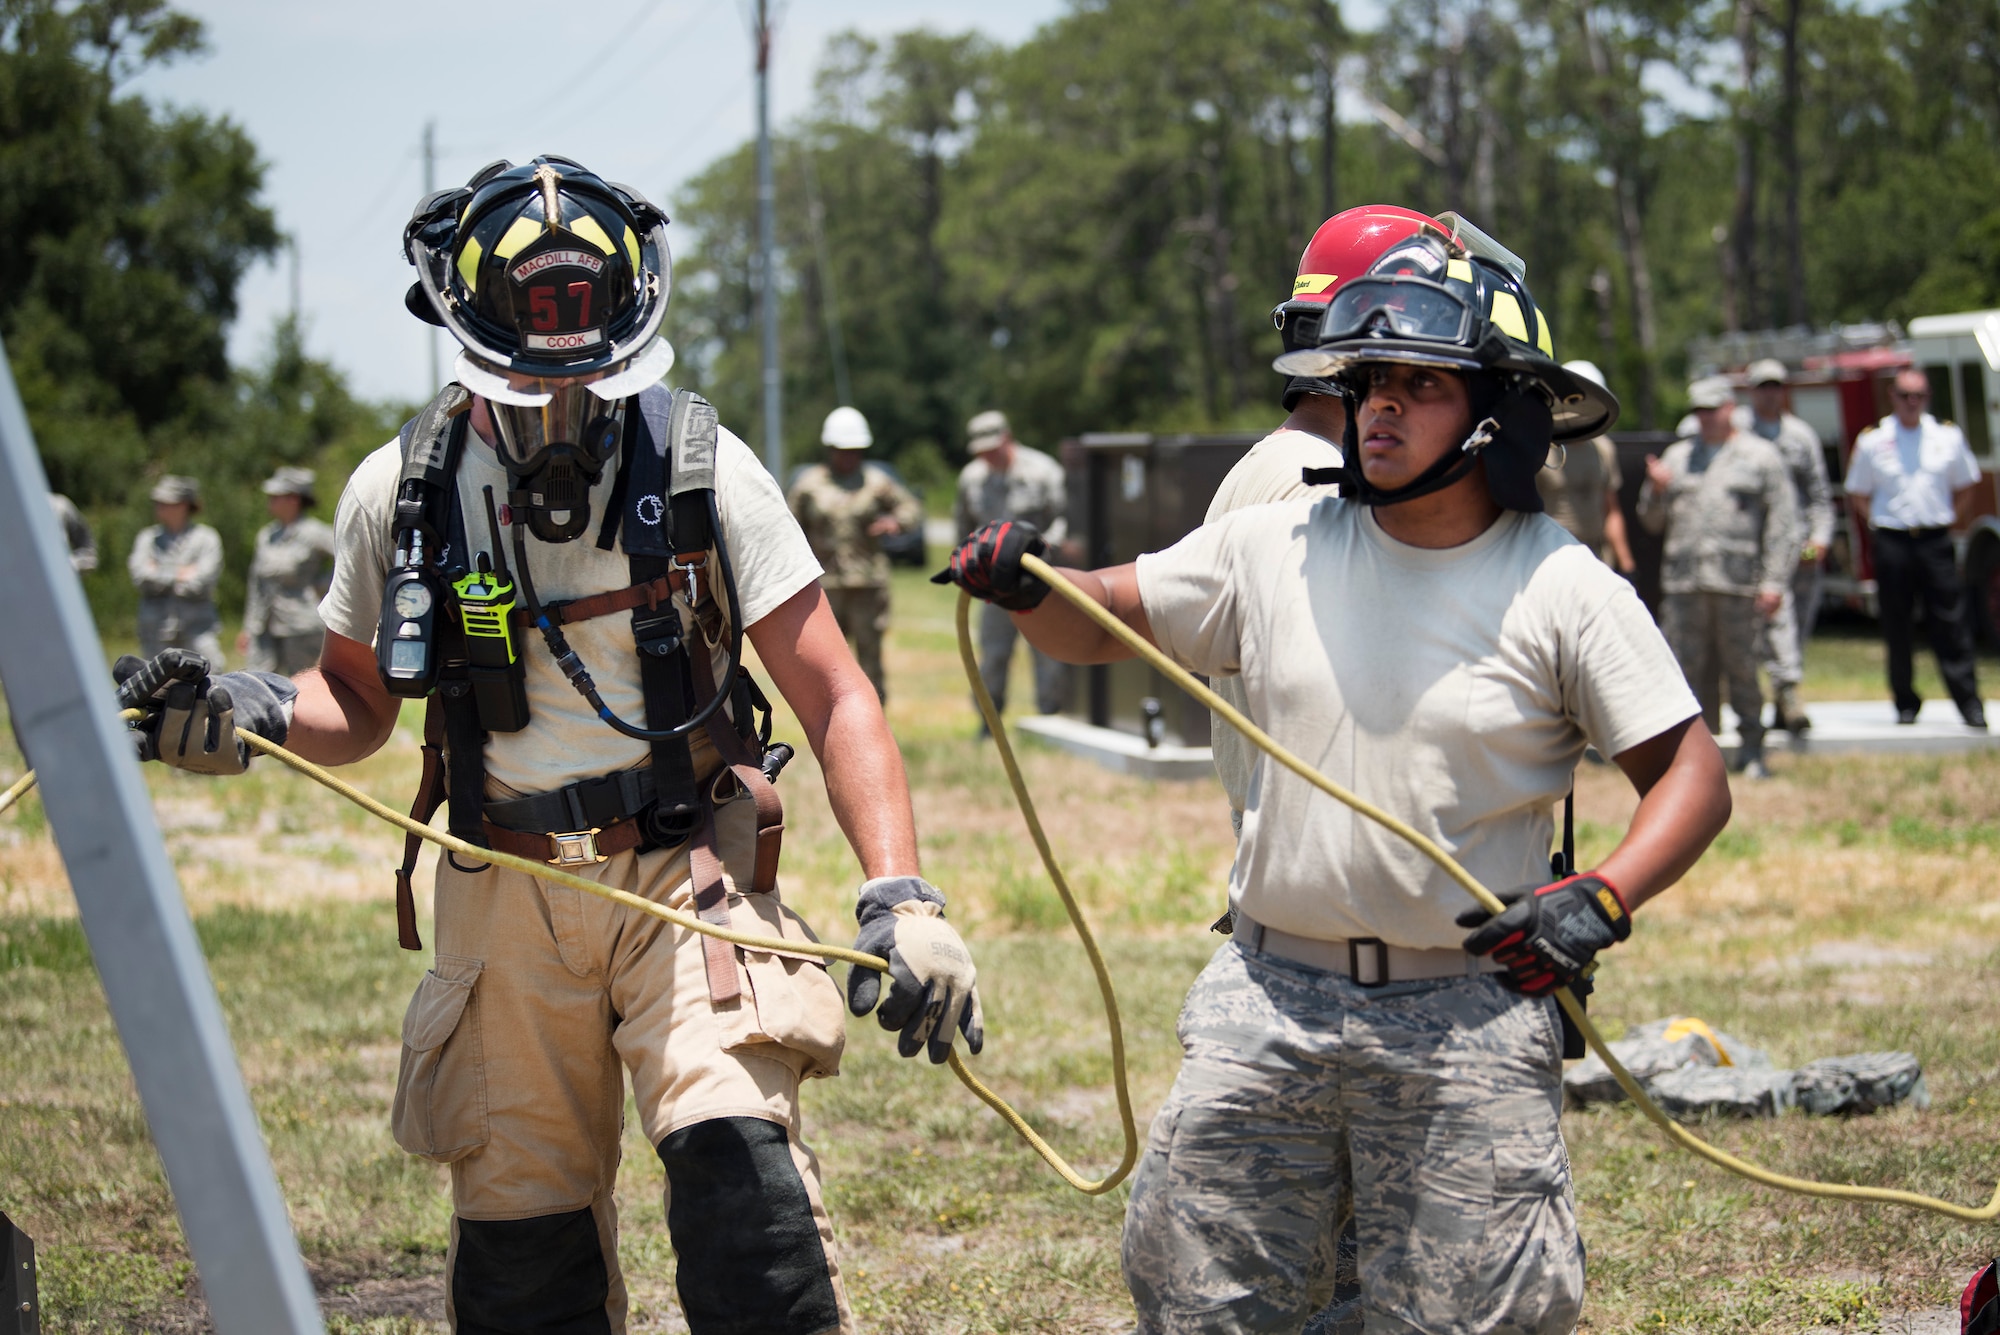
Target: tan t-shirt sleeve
column 1191, row 598
column 1626, row 687
column 767, row 548
column 353, row 603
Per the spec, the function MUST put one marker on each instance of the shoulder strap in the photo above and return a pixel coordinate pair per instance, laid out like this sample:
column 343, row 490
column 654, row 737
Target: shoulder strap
column 431, row 442
column 665, row 676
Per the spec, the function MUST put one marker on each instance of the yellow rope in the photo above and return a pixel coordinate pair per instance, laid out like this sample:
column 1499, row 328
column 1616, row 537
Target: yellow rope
column 1675, row 1132
column 17, row 790
column 781, row 945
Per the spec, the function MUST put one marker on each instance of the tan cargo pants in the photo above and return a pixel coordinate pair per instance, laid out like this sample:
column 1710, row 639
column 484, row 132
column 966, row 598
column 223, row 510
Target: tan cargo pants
column 514, row 1042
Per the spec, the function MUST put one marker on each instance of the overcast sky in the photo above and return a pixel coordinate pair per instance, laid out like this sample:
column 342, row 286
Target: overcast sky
column 336, row 97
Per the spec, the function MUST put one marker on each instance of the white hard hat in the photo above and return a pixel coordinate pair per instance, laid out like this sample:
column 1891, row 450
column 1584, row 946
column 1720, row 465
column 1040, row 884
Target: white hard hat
column 1588, row 370
column 846, row 429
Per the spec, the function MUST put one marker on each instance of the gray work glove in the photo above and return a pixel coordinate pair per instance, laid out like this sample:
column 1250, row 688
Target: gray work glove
column 933, row 986
column 192, row 719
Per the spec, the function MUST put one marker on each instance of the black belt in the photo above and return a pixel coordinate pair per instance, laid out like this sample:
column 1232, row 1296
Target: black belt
column 1914, row 532
column 600, row 802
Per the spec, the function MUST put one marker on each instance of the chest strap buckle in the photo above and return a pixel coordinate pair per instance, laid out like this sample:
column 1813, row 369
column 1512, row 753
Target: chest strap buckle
column 574, row 848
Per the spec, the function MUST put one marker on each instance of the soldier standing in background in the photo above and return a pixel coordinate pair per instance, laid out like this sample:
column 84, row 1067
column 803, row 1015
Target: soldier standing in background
column 289, row 575
column 82, row 546
column 1799, row 446
column 1582, row 494
column 1007, row 480
column 1725, row 501
column 846, row 507
column 174, row 565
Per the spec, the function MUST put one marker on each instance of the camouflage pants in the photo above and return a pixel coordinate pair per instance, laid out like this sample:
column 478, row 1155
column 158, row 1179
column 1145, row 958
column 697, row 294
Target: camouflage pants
column 863, row 616
column 1786, row 633
column 1720, row 635
column 1428, row 1110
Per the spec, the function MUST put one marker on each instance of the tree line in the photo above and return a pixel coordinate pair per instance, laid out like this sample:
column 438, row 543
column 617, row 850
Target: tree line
column 1089, row 229
column 125, row 230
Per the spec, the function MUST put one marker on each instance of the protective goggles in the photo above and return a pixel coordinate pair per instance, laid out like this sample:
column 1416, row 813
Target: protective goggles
column 1407, row 306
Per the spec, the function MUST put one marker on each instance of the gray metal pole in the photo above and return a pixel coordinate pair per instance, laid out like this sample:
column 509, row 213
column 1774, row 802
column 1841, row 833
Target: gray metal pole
column 140, row 937
column 767, row 245
column 430, row 184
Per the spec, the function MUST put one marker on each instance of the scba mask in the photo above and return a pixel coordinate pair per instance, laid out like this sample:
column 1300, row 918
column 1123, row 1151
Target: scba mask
column 555, row 437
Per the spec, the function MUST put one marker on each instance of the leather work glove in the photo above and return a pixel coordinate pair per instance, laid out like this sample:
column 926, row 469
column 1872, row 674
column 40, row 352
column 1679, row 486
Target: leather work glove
column 987, row 565
column 933, row 986
column 192, row 719
column 1548, row 936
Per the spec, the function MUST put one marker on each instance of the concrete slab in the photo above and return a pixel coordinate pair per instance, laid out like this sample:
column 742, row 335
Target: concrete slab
column 1119, row 752
column 1839, row 727
column 1844, row 726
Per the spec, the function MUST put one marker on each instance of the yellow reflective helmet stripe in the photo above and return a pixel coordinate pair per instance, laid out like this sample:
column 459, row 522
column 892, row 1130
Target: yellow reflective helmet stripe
column 1543, row 339
column 522, row 233
column 589, row 229
column 1312, row 284
column 468, row 262
column 1506, row 313
column 632, row 250
column 1459, row 269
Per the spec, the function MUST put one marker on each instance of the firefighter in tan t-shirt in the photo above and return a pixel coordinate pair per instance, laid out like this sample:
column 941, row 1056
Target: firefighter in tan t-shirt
column 1436, row 644
column 558, row 466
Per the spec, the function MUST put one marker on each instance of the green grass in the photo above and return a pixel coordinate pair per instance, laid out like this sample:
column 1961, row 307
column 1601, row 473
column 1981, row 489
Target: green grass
column 947, row 1223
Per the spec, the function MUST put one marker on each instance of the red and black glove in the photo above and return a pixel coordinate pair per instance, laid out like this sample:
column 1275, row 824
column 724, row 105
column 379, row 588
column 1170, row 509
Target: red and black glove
column 1548, row 936
column 987, row 565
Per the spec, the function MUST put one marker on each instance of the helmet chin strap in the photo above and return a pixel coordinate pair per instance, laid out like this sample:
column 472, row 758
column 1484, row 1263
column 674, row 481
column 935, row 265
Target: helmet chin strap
column 1447, row 469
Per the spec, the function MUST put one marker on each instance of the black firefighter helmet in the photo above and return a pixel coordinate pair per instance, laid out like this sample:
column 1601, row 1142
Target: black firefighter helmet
column 543, row 270
column 1459, row 305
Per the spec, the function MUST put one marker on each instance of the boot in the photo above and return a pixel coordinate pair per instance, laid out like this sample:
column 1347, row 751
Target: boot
column 1791, row 714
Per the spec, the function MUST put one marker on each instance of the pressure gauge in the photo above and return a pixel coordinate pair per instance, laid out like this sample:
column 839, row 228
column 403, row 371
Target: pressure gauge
column 412, row 601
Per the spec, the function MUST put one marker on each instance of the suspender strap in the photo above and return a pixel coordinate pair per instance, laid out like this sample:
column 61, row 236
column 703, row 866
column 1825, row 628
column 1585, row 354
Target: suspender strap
column 430, row 795
column 711, row 904
column 744, row 765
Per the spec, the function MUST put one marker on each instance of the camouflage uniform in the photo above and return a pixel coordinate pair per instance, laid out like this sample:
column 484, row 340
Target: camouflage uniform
column 835, row 512
column 175, row 574
column 1428, row 1110
column 1731, row 519
column 1033, row 489
column 289, row 574
column 1789, row 629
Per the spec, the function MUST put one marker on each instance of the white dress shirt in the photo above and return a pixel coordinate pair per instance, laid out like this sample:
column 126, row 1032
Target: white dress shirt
column 1910, row 473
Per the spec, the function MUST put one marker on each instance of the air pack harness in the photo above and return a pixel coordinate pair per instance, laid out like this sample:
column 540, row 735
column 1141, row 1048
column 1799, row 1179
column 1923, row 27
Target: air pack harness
column 662, row 512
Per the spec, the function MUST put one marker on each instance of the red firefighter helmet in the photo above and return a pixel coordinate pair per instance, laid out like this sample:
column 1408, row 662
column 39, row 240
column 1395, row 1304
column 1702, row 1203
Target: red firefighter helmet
column 1345, row 246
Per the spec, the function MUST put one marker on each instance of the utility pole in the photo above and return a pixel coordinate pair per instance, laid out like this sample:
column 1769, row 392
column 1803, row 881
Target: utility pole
column 767, row 242
column 430, row 184
column 292, row 245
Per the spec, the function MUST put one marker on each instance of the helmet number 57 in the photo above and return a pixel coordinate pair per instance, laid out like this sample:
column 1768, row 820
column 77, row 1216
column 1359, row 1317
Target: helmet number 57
column 542, row 306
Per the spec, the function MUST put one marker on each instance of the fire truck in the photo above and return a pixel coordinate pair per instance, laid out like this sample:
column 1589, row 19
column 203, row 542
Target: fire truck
column 1839, row 384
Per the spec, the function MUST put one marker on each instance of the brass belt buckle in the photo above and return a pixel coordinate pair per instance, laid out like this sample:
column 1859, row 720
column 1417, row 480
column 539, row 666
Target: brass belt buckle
column 575, row 848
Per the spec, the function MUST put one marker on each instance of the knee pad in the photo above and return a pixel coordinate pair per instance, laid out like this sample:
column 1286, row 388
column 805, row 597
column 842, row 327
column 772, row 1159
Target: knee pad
column 541, row 1276
column 751, row 1261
